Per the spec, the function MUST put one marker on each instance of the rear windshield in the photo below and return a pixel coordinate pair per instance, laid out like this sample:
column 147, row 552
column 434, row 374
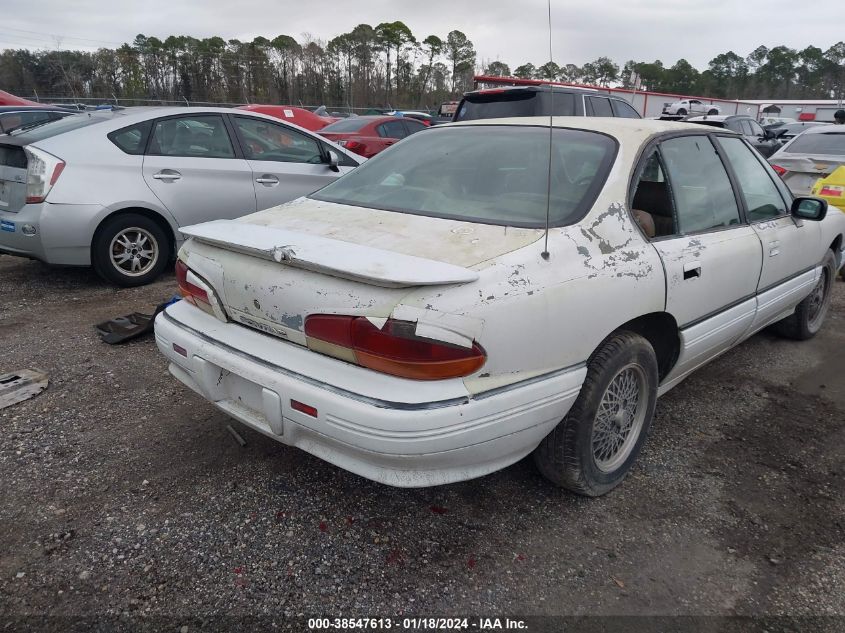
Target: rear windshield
column 829, row 143
column 352, row 124
column 67, row 124
column 491, row 174
column 710, row 123
column 516, row 103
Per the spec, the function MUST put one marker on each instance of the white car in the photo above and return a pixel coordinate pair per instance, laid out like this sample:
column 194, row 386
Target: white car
column 110, row 189
column 410, row 323
column 814, row 153
column 690, row 106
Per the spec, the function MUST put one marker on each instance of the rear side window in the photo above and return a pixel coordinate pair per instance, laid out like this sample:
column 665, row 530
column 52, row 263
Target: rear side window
column 498, row 105
column 392, row 129
column 704, row 198
column 202, row 136
column 414, row 126
column 352, row 124
column 600, row 106
column 624, row 110
column 826, row 143
column 132, row 139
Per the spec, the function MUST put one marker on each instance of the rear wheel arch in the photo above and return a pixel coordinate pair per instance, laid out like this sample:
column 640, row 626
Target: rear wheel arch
column 156, row 217
column 132, row 246
column 836, row 247
column 660, row 329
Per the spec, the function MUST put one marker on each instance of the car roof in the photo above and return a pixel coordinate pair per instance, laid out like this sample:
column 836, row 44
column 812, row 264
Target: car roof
column 824, row 129
column 634, row 129
column 718, row 117
column 38, row 108
column 586, row 91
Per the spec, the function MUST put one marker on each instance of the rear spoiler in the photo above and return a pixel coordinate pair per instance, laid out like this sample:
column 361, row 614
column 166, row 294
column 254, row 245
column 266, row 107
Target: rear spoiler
column 329, row 256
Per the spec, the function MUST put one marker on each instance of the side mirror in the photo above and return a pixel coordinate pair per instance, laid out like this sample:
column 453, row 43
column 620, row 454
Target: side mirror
column 806, row 208
column 768, row 134
column 333, row 161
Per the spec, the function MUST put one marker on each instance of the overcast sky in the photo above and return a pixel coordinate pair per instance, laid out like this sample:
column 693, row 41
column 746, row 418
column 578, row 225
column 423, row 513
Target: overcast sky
column 514, row 32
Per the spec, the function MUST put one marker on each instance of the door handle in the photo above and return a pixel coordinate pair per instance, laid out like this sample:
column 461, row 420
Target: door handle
column 692, row 270
column 774, row 248
column 167, row 175
column 267, row 179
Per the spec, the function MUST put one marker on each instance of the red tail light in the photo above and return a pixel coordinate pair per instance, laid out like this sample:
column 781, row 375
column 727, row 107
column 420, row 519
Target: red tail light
column 394, row 349
column 189, row 291
column 779, row 170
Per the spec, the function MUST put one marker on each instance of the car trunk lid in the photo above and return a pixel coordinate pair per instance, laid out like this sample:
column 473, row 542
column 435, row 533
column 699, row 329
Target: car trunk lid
column 272, row 269
column 802, row 171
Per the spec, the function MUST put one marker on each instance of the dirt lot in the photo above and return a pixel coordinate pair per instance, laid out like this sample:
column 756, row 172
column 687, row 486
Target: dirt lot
column 125, row 496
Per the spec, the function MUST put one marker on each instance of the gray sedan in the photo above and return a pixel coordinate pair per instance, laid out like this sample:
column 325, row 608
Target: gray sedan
column 110, row 189
column 813, row 154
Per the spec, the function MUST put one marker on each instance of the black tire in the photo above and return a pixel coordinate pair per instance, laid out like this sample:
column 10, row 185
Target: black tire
column 713, row 111
column 567, row 455
column 682, row 112
column 107, row 248
column 809, row 315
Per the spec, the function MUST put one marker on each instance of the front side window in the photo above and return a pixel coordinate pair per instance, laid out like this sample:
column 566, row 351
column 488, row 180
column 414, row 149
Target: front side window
column 202, row 136
column 265, row 140
column 762, row 198
column 492, row 174
column 756, row 130
column 704, row 198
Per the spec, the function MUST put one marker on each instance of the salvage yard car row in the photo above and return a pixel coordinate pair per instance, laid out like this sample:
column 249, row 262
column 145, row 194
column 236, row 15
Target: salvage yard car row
column 473, row 294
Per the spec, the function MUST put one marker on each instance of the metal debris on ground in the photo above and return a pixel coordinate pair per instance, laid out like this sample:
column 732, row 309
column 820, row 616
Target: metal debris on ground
column 124, row 328
column 21, row 385
column 236, row 435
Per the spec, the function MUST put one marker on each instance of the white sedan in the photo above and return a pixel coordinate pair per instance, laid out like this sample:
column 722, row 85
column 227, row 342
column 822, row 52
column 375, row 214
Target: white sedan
column 416, row 323
column 690, row 106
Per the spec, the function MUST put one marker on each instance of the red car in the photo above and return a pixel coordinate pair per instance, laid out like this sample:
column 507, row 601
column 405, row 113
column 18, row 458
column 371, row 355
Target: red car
column 292, row 114
column 368, row 135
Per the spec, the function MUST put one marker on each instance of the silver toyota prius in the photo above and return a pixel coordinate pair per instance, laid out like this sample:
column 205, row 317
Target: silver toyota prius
column 111, row 188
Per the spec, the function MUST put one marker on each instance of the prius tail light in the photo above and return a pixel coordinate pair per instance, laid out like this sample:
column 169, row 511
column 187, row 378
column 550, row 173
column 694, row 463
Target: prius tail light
column 394, row 349
column 42, row 172
column 780, row 171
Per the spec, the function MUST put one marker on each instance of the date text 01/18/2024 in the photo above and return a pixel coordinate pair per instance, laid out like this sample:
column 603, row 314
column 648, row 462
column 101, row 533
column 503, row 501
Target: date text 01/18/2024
column 416, row 624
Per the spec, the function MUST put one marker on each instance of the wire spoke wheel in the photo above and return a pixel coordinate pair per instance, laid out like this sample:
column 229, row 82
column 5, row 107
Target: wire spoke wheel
column 819, row 300
column 619, row 418
column 134, row 251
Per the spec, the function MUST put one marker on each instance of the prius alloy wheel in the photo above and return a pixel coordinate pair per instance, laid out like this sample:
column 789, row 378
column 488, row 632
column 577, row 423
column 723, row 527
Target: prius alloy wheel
column 130, row 249
column 134, row 251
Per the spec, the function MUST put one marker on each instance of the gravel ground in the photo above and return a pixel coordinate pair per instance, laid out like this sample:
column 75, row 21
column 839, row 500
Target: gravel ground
column 124, row 496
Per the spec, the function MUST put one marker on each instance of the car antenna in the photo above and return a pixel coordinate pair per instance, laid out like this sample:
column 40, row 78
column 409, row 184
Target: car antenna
column 545, row 253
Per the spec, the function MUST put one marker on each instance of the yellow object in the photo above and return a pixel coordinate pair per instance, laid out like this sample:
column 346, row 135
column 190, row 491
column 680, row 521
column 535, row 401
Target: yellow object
column 832, row 188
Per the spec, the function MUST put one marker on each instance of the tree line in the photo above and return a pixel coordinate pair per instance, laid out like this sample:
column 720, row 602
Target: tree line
column 384, row 65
